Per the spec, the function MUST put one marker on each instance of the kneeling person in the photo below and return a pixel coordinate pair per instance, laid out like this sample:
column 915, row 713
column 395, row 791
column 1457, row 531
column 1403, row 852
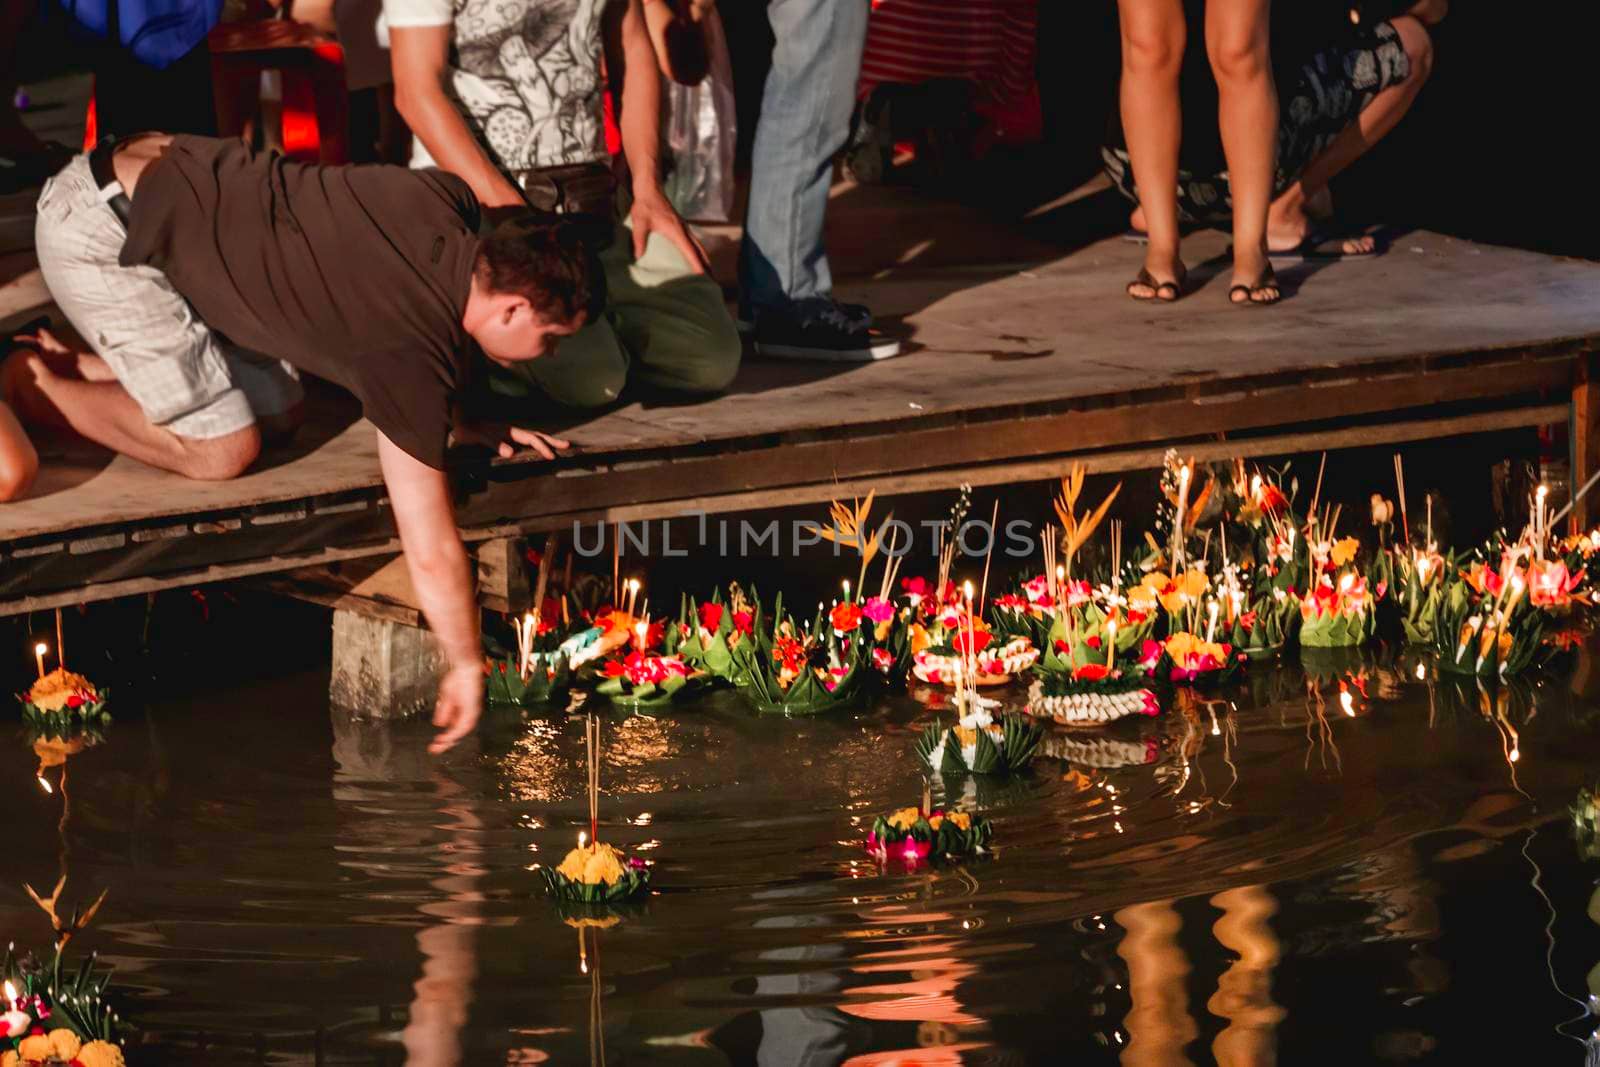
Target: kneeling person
column 372, row 277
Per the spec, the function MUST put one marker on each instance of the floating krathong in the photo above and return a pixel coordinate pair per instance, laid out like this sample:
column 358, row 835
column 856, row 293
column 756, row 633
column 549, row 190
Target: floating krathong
column 1337, row 613
column 980, row 742
column 645, row 679
column 1080, row 700
column 1486, row 624
column 596, row 873
column 791, row 670
column 992, row 665
column 912, row 836
column 530, row 677
column 708, row 633
column 61, row 699
column 55, row 1013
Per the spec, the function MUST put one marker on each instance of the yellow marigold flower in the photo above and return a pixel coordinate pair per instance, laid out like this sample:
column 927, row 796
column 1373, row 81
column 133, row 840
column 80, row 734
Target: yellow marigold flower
column 960, row 819
column 572, row 866
column 9, row 1059
column 919, row 637
column 64, row 1044
column 1195, row 583
column 51, row 692
column 604, row 865
column 36, row 1047
column 936, row 821
column 1344, row 550
column 101, row 1054
column 905, row 818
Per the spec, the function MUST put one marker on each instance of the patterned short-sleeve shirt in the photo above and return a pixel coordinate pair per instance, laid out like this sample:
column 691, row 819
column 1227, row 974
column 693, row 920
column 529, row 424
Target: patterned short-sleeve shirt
column 525, row 74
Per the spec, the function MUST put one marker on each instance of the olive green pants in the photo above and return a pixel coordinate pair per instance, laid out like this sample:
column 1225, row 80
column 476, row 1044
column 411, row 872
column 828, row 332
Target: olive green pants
column 664, row 326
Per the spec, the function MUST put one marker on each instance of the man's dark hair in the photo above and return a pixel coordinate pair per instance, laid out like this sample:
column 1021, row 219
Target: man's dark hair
column 551, row 260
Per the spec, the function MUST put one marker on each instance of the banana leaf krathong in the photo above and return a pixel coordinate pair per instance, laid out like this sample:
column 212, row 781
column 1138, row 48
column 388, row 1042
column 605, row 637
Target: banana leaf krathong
column 1488, row 633
column 912, row 836
column 708, row 632
column 596, row 873
column 1080, row 637
column 979, row 744
column 646, row 680
column 1418, row 581
column 792, row 671
column 62, row 699
column 60, row 996
column 1269, row 624
column 1091, row 696
column 1338, row 613
column 547, row 682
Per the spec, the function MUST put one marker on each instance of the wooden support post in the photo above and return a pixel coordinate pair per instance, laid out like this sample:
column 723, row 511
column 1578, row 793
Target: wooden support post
column 382, row 669
column 502, row 579
column 1584, row 436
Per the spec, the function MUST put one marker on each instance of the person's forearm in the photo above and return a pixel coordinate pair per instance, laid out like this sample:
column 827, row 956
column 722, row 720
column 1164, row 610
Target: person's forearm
column 640, row 114
column 436, row 122
column 442, row 578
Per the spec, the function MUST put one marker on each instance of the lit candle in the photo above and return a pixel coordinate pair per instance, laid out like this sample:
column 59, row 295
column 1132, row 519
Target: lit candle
column 583, row 838
column 16, row 1022
column 38, row 653
column 643, row 632
column 846, row 584
column 633, row 594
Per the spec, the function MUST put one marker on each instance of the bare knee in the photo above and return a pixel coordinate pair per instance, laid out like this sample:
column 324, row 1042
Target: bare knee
column 217, row 459
column 1238, row 57
column 17, row 472
column 1153, row 47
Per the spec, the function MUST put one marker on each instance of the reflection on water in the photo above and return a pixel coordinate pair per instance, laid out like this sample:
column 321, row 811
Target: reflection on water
column 1360, row 863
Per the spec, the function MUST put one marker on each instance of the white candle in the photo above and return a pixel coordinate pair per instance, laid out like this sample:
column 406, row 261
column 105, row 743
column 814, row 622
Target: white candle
column 38, row 652
column 1111, row 644
column 1211, row 622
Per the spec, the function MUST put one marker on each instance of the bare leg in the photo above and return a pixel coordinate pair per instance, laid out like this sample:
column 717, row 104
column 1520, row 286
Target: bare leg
column 1288, row 221
column 18, row 461
column 103, row 412
column 1152, row 54
column 1247, row 111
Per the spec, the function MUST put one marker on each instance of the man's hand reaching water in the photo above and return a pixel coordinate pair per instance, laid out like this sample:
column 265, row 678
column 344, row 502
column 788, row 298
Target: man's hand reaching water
column 458, row 707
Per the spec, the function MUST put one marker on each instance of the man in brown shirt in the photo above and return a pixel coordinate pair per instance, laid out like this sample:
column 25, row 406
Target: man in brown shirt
column 205, row 275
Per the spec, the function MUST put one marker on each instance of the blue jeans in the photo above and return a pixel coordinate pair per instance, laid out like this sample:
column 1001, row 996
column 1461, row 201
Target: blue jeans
column 805, row 120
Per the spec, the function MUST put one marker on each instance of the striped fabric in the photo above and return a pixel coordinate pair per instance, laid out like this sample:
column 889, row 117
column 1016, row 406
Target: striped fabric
column 992, row 43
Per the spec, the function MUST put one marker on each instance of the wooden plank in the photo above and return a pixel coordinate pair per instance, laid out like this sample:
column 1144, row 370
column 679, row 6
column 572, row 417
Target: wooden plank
column 1584, row 436
column 1040, row 470
column 502, row 578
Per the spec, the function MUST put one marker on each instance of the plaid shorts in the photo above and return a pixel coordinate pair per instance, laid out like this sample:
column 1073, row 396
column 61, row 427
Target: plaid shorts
column 1333, row 87
column 182, row 375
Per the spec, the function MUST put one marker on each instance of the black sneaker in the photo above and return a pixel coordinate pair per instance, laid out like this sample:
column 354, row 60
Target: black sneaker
column 822, row 329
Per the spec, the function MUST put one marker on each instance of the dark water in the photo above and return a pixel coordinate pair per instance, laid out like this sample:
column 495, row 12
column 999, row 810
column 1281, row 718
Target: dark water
column 1282, row 882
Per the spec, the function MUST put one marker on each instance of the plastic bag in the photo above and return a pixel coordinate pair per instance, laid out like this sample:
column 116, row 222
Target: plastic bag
column 700, row 129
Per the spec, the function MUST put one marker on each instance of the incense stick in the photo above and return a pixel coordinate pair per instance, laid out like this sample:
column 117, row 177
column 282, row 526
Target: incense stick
column 591, row 737
column 983, row 590
column 1400, row 485
column 61, row 643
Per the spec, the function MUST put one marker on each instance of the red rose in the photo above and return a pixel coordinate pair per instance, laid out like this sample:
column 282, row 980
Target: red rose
column 1094, row 642
column 75, row 701
column 711, row 616
column 973, row 642
column 743, row 622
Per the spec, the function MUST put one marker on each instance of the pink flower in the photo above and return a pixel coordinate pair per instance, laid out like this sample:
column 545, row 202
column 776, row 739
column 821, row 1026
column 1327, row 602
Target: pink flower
column 878, row 609
column 882, row 660
column 915, row 589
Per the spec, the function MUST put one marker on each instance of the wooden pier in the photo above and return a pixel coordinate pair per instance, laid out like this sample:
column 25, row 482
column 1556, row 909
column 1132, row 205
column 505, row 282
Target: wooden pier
column 1015, row 371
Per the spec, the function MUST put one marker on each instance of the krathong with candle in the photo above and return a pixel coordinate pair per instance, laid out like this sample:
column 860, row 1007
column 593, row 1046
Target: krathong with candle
column 792, row 669
column 60, row 698
column 956, row 647
column 536, row 674
column 1079, row 684
column 980, row 742
column 56, row 1013
column 1486, row 624
column 595, row 873
column 641, row 677
column 708, row 632
column 913, row 836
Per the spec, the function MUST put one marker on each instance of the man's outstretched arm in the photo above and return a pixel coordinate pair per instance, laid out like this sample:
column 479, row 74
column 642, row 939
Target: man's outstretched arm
column 437, row 561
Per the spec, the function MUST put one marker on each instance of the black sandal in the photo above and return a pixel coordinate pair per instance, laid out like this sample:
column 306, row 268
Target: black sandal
column 1269, row 280
column 1148, row 280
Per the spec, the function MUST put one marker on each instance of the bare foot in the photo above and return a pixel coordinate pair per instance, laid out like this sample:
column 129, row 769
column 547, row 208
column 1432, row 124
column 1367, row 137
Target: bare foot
column 1288, row 227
